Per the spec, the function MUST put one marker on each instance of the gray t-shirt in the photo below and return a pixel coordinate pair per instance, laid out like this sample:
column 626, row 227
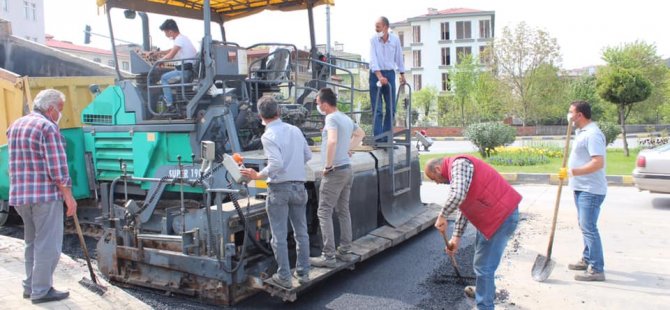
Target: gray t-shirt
column 589, row 141
column 345, row 128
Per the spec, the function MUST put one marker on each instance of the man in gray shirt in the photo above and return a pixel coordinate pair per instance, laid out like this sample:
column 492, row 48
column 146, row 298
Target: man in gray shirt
column 287, row 152
column 586, row 170
column 340, row 134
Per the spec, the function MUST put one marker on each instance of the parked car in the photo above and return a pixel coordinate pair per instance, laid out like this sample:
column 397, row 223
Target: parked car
column 652, row 171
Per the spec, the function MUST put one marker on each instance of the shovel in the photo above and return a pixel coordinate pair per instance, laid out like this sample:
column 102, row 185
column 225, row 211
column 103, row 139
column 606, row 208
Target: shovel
column 92, row 284
column 543, row 264
column 453, row 259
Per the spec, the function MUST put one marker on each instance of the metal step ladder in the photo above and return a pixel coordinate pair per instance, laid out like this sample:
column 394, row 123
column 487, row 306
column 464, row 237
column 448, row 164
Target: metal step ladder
column 402, row 169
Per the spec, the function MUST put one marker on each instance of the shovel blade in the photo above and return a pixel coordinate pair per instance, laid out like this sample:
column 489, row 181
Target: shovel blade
column 542, row 268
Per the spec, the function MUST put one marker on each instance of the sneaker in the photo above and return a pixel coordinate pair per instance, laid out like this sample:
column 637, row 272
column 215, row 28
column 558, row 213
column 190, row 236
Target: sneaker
column 171, row 109
column 580, row 265
column 590, row 275
column 281, row 282
column 52, row 295
column 469, row 291
column 302, row 279
column 344, row 255
column 323, row 261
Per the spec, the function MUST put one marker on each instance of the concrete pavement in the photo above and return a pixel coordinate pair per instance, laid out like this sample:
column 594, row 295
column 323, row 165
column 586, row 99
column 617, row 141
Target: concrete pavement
column 67, row 275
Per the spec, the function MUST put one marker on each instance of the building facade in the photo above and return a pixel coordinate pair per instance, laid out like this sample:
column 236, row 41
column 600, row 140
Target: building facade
column 101, row 56
column 26, row 18
column 433, row 43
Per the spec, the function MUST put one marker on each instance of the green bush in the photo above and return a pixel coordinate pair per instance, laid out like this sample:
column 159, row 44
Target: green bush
column 610, row 130
column 488, row 136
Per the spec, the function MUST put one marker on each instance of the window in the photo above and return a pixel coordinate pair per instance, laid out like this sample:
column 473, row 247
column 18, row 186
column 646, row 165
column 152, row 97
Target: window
column 110, row 62
column 463, row 30
column 5, row 5
column 416, row 34
column 484, row 55
column 417, row 59
column 26, row 9
column 401, row 36
column 462, row 52
column 34, row 10
column 417, row 82
column 446, row 56
column 485, row 28
column 125, row 66
column 445, row 31
column 445, row 82
column 97, row 59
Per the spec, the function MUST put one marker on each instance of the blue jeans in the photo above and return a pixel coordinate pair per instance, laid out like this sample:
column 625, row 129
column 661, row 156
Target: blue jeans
column 287, row 201
column 487, row 258
column 165, row 81
column 383, row 118
column 588, row 209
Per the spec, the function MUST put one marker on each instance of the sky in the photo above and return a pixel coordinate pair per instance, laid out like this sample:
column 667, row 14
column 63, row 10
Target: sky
column 582, row 27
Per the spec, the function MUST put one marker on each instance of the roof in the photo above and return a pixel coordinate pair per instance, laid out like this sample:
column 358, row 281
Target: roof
column 64, row 45
column 453, row 12
column 223, row 10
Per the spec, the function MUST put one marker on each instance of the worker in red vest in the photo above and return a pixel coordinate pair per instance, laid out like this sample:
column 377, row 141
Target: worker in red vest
column 484, row 199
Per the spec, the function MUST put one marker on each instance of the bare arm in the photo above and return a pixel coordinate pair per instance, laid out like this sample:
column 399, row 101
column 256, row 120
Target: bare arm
column 173, row 51
column 356, row 138
column 596, row 163
column 330, row 147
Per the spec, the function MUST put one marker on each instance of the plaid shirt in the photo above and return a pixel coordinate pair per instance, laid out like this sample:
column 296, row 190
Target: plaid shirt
column 37, row 161
column 461, row 177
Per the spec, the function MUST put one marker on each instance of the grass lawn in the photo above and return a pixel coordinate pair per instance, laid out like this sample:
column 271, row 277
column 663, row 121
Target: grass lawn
column 617, row 163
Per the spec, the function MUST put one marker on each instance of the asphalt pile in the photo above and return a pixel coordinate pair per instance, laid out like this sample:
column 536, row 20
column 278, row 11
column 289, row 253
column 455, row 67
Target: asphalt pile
column 443, row 288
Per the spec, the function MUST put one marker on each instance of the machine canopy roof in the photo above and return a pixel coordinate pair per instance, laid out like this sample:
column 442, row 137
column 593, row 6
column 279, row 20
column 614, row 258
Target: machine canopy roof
column 222, row 10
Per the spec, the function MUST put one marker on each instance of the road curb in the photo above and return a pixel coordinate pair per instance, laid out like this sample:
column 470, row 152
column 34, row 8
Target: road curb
column 536, row 138
column 552, row 179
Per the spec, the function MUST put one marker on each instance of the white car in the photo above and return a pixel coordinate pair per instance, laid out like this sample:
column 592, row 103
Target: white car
column 652, row 171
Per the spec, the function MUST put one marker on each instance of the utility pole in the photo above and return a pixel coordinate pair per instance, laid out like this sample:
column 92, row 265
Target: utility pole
column 328, row 37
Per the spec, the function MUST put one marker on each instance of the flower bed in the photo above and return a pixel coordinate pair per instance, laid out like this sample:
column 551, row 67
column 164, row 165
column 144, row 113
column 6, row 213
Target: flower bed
column 522, row 155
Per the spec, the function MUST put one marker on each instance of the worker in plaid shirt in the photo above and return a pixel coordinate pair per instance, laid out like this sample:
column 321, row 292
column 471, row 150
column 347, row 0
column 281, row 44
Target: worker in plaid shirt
column 39, row 183
column 485, row 199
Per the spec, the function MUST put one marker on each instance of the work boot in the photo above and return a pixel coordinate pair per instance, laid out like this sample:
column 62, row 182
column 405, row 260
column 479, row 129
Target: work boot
column 27, row 292
column 344, row 255
column 281, row 282
column 52, row 295
column 469, row 291
column 323, row 261
column 302, row 278
column 590, row 275
column 580, row 265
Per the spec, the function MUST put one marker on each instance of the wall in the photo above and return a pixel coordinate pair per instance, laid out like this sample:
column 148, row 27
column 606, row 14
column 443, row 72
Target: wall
column 31, row 29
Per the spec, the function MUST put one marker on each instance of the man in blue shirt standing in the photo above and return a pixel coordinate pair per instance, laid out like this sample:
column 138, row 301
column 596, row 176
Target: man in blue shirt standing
column 586, row 170
column 385, row 57
column 287, row 152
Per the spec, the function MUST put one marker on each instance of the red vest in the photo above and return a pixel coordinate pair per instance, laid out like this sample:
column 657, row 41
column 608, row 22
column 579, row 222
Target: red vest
column 490, row 199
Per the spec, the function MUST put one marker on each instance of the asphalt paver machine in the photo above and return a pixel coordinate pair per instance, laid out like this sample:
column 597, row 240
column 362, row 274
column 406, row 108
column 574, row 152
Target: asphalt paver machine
column 175, row 213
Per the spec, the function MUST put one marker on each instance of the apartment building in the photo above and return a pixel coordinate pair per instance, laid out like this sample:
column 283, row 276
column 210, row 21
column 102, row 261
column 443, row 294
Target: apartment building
column 98, row 55
column 433, row 43
column 26, row 18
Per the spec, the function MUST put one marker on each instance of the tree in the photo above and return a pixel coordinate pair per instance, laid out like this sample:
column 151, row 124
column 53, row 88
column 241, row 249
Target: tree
column 584, row 89
column 547, row 95
column 488, row 97
column 643, row 57
column 425, row 99
column 463, row 80
column 623, row 87
column 517, row 55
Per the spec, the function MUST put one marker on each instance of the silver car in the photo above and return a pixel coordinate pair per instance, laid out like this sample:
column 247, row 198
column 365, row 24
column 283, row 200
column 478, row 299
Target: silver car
column 652, row 171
